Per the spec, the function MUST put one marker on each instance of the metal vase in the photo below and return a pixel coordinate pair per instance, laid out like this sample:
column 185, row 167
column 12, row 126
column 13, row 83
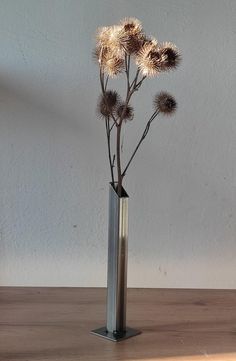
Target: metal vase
column 116, row 329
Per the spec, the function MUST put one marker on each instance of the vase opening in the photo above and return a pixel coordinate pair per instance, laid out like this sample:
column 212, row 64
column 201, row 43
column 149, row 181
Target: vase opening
column 123, row 191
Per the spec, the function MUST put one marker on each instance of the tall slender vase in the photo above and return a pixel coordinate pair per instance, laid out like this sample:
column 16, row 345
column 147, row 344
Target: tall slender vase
column 116, row 329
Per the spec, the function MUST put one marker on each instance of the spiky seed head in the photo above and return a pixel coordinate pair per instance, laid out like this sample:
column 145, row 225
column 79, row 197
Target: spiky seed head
column 112, row 65
column 131, row 35
column 125, row 111
column 111, row 37
column 133, row 44
column 148, row 58
column 106, row 35
column 165, row 103
column 109, row 63
column 170, row 56
column 107, row 103
column 131, row 26
column 127, row 37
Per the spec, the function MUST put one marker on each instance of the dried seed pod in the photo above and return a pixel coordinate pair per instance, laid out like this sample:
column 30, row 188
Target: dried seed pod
column 165, row 103
column 148, row 58
column 125, row 111
column 170, row 56
column 107, row 103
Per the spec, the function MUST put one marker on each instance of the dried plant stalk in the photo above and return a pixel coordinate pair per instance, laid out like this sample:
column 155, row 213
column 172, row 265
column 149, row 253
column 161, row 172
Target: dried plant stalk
column 116, row 46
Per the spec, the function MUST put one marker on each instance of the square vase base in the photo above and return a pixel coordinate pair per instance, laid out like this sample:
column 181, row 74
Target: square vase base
column 115, row 336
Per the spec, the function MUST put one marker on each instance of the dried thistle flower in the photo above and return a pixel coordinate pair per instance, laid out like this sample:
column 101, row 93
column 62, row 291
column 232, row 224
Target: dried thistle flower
column 107, row 36
column 109, row 63
column 149, row 59
column 131, row 26
column 127, row 37
column 112, row 38
column 112, row 65
column 132, row 35
column 170, row 56
column 107, row 103
column 165, row 103
column 133, row 44
column 125, row 111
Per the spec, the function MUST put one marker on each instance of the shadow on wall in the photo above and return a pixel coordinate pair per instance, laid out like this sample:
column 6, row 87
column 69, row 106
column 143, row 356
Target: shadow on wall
column 44, row 159
column 47, row 102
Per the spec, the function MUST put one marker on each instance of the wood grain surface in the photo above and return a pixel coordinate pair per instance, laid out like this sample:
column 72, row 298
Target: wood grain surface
column 177, row 324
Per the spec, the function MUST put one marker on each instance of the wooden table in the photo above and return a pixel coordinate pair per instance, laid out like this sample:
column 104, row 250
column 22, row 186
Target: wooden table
column 177, row 324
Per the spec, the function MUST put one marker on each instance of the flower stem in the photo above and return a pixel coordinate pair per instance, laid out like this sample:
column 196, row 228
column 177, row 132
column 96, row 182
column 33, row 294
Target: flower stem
column 146, row 130
column 118, row 161
column 109, row 148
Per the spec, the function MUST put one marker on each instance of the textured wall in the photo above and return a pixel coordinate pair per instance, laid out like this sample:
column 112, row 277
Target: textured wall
column 54, row 171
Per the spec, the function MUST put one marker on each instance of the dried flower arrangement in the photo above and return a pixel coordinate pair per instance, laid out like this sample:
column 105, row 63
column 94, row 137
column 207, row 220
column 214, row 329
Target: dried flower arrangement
column 116, row 46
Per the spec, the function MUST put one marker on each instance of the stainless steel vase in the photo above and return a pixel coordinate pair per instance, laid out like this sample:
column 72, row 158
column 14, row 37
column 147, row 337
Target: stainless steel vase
column 116, row 329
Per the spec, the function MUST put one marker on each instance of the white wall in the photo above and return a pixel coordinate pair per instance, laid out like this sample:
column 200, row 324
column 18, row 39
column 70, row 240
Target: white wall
column 53, row 161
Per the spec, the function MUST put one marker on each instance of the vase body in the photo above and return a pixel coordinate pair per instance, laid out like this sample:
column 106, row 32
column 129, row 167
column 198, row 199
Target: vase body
column 117, row 261
column 116, row 329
